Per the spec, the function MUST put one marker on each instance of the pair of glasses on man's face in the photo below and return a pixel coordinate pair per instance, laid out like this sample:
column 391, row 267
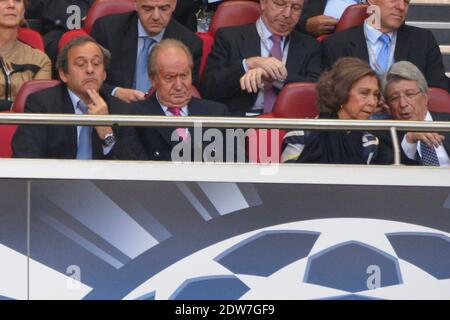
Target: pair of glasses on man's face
column 296, row 8
column 408, row 96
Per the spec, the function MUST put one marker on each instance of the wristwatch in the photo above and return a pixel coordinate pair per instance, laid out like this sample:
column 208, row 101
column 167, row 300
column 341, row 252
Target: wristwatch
column 109, row 140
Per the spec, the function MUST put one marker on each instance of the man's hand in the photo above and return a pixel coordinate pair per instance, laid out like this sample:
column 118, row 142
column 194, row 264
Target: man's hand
column 273, row 67
column 253, row 80
column 129, row 95
column 430, row 138
column 382, row 107
column 320, row 25
column 98, row 106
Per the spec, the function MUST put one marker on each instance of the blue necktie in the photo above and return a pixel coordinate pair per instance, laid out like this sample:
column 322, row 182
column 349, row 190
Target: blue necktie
column 142, row 80
column 429, row 156
column 84, row 150
column 383, row 55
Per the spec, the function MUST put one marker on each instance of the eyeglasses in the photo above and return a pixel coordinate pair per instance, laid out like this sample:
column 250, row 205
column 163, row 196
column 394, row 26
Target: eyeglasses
column 408, row 95
column 282, row 4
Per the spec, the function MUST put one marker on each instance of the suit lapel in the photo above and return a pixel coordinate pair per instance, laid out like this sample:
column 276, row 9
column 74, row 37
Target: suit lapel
column 249, row 43
column 296, row 53
column 156, row 110
column 129, row 51
column 356, row 39
column 402, row 45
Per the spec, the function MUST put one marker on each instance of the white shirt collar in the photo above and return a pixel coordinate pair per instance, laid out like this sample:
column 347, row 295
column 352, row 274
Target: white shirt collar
column 74, row 98
column 184, row 110
column 373, row 34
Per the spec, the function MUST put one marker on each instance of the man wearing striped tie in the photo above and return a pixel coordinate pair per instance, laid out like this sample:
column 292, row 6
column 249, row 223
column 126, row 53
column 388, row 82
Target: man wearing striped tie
column 406, row 92
column 82, row 68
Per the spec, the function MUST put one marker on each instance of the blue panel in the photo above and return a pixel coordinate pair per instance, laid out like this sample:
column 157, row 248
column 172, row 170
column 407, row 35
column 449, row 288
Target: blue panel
column 268, row 252
column 147, row 296
column 428, row 251
column 211, row 288
column 351, row 297
column 345, row 267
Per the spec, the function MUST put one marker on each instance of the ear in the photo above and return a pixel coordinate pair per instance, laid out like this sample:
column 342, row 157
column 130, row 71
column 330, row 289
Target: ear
column 263, row 4
column 62, row 75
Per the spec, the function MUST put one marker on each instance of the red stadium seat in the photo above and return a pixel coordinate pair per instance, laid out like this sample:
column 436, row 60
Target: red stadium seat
column 102, row 8
column 234, row 13
column 229, row 13
column 438, row 100
column 70, row 35
column 296, row 100
column 352, row 16
column 208, row 42
column 32, row 38
column 29, row 88
column 6, row 134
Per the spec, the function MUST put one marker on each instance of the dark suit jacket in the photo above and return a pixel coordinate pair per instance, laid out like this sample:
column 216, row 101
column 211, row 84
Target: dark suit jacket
column 224, row 68
column 185, row 13
column 157, row 140
column 413, row 44
column 60, row 142
column 311, row 8
column 119, row 34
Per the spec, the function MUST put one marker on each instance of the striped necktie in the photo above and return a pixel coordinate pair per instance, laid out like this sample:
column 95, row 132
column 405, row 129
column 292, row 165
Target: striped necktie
column 84, row 150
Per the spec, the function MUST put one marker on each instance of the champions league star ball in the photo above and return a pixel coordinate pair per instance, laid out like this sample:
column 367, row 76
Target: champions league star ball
column 316, row 259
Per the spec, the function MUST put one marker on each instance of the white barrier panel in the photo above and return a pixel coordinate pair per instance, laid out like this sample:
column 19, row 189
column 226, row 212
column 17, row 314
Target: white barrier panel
column 140, row 230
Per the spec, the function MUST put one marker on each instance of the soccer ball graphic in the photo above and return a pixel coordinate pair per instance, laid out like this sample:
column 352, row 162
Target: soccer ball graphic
column 316, row 259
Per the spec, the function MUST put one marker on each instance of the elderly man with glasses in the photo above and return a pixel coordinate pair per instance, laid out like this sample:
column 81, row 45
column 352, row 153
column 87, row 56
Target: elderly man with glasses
column 249, row 64
column 406, row 93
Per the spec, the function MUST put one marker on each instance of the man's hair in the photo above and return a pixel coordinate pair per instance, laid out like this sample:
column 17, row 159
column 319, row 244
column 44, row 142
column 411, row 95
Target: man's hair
column 334, row 85
column 404, row 70
column 62, row 60
column 165, row 44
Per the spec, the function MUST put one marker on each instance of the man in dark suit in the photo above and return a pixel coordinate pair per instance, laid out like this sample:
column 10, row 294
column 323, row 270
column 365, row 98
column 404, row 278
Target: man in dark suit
column 405, row 90
column 130, row 38
column 81, row 66
column 249, row 64
column 381, row 45
column 170, row 71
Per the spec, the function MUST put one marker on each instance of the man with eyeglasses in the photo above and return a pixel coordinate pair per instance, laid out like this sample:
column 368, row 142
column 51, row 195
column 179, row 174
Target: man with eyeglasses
column 250, row 64
column 384, row 39
column 406, row 92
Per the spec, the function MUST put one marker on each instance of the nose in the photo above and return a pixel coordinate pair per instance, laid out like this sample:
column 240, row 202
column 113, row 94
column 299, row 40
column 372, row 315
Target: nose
column 178, row 85
column 11, row 3
column 287, row 11
column 156, row 14
column 401, row 5
column 90, row 68
column 402, row 101
column 373, row 101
